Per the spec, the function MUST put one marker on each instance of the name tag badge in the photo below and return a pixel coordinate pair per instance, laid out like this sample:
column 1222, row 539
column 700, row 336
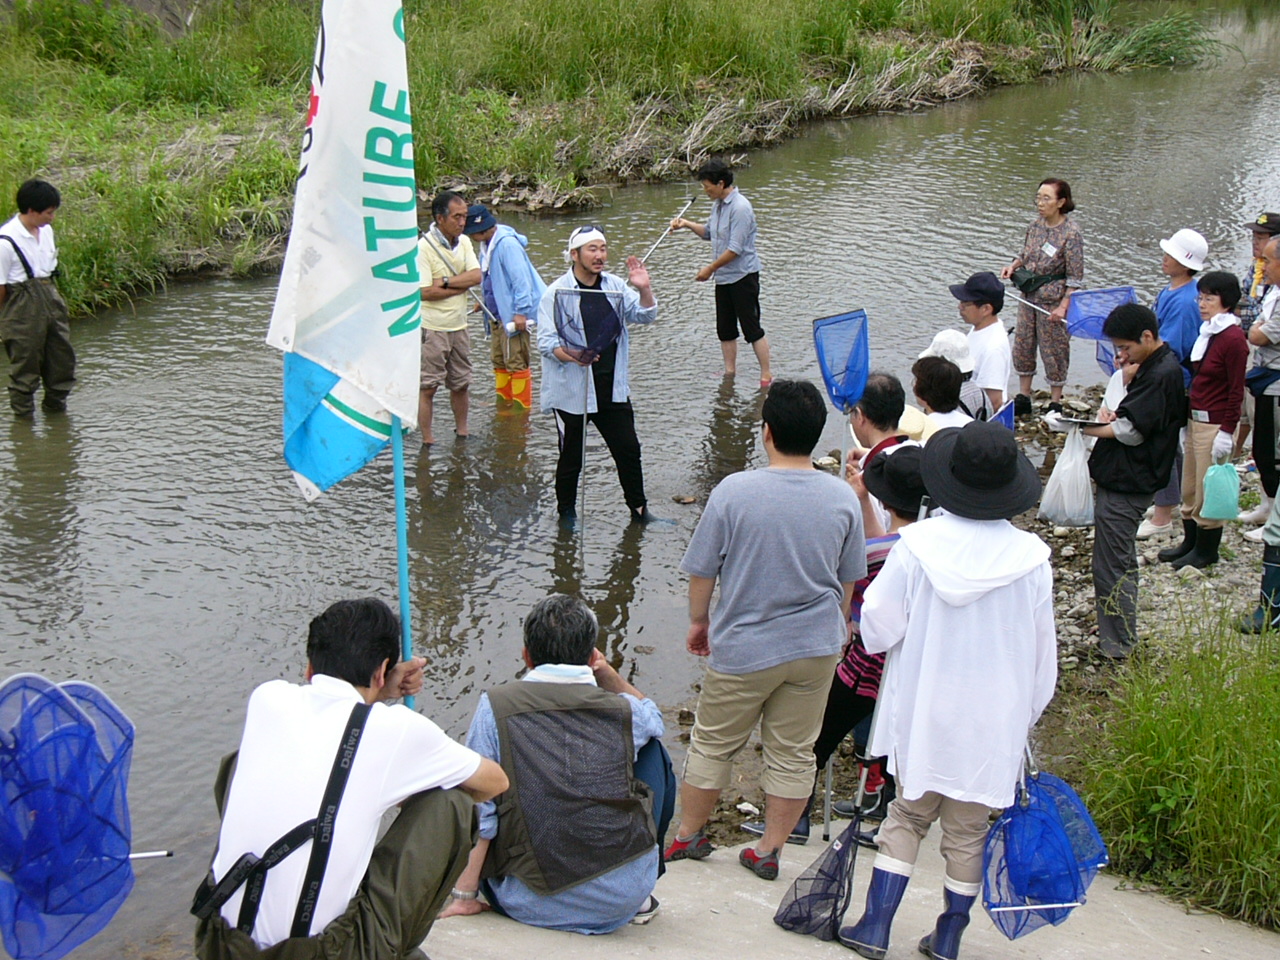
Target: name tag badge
column 1048, row 249
column 1200, row 416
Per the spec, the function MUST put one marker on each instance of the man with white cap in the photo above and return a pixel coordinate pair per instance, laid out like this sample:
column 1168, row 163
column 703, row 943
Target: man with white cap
column 582, row 327
column 1177, row 309
column 981, row 300
column 964, row 609
column 952, row 345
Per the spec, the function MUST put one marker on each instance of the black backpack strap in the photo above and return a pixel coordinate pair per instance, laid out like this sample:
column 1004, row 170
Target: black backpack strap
column 323, row 839
column 250, row 871
column 31, row 275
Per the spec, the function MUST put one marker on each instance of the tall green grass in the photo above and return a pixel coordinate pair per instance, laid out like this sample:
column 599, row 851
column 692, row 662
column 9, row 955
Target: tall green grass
column 177, row 153
column 1185, row 783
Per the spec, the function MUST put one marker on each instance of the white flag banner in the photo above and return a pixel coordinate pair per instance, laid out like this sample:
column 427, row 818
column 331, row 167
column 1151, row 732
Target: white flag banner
column 347, row 314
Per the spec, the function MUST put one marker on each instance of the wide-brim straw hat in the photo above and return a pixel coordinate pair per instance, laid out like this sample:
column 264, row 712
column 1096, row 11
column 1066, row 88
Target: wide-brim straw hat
column 977, row 471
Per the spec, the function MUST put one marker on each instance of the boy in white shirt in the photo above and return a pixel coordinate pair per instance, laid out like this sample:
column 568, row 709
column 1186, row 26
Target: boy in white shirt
column 981, row 299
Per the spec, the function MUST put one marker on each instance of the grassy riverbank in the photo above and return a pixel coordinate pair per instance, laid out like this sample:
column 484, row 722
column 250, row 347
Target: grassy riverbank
column 177, row 155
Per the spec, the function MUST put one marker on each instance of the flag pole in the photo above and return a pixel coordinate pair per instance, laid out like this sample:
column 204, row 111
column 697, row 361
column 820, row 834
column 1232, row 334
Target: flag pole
column 402, row 545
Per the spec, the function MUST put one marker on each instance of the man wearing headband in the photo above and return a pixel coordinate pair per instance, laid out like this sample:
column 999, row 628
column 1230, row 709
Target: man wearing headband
column 585, row 345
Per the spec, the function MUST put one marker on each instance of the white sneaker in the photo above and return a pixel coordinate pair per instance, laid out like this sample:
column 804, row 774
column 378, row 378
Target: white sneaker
column 1148, row 529
column 1255, row 535
column 1258, row 514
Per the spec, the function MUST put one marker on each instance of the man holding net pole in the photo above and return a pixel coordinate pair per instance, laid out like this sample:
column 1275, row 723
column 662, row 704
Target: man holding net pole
column 582, row 336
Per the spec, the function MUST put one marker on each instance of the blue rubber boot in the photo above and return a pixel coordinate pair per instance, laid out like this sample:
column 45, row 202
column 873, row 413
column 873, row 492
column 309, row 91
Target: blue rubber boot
column 869, row 937
column 944, row 942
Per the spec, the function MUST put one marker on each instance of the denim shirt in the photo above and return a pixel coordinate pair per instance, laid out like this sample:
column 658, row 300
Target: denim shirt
column 564, row 385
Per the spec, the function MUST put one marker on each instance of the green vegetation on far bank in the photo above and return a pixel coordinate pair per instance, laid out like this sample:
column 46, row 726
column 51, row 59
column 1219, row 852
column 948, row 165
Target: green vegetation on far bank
column 177, row 155
column 1184, row 776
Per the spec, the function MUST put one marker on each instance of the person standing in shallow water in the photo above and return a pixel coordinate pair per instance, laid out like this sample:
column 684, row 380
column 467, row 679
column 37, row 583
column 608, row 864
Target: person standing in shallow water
column 736, row 267
column 1053, row 254
column 33, row 316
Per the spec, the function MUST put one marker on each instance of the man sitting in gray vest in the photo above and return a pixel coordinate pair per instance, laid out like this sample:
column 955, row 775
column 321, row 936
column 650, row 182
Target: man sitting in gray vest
column 574, row 843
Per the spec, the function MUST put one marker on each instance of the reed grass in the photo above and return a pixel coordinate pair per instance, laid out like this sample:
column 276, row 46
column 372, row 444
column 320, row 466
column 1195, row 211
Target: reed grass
column 1184, row 782
column 177, row 153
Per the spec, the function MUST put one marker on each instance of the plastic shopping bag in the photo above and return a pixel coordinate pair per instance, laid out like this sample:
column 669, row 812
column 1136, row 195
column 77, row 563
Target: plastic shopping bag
column 1221, row 492
column 1068, row 496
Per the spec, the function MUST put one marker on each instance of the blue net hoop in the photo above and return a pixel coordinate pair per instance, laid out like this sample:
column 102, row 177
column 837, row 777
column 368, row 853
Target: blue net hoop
column 844, row 356
column 1087, row 310
column 587, row 321
column 65, row 752
column 1040, row 857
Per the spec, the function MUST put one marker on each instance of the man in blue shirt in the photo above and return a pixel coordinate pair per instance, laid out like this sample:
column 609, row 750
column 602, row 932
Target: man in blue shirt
column 736, row 267
column 592, row 869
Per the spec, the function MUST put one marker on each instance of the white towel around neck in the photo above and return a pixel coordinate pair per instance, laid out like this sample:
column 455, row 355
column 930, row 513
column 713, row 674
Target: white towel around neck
column 1211, row 328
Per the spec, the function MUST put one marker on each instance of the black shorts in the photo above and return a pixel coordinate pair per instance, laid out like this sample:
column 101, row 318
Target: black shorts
column 739, row 303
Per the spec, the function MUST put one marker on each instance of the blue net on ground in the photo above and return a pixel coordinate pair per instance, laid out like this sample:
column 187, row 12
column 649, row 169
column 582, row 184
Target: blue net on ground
column 819, row 897
column 588, row 322
column 1088, row 310
column 64, row 823
column 844, row 356
column 1040, row 857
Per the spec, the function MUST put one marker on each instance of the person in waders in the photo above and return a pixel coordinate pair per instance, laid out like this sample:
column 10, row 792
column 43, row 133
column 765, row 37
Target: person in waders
column 33, row 315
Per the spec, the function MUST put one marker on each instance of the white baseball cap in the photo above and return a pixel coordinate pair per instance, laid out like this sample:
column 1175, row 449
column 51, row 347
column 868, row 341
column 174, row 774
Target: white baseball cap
column 1188, row 248
column 951, row 345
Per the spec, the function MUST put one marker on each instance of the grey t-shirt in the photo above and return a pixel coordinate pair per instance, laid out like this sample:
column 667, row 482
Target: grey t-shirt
column 783, row 543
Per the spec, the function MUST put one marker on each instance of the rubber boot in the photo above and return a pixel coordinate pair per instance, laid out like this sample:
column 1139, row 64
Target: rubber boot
column 1189, row 534
column 23, row 404
column 869, row 937
column 502, row 379
column 944, row 942
column 1205, row 553
column 1267, row 616
column 521, row 388
column 55, row 401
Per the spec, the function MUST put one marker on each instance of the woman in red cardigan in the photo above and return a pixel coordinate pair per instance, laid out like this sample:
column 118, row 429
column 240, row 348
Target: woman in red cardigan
column 1217, row 361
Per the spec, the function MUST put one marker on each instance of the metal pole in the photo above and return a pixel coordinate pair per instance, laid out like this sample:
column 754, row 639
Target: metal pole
column 402, row 545
column 1027, row 303
column 667, row 232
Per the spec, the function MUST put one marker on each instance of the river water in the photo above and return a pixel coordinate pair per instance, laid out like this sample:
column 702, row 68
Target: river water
column 153, row 542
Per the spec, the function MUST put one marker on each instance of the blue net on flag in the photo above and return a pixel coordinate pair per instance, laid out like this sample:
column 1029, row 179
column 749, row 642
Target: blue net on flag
column 1040, row 857
column 819, row 897
column 1088, row 310
column 843, row 356
column 588, row 321
column 65, row 752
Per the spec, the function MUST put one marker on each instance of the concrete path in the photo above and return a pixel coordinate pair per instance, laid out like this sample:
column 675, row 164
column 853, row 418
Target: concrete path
column 715, row 909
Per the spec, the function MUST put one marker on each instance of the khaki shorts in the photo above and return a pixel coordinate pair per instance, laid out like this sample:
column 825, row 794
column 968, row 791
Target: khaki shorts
column 788, row 700
column 509, row 353
column 446, row 359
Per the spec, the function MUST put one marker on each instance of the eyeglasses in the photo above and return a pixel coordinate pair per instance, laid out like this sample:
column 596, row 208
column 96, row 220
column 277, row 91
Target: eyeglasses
column 1207, row 297
column 1044, row 198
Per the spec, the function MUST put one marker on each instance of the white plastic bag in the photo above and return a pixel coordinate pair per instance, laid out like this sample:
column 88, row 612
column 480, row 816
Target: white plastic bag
column 1068, row 496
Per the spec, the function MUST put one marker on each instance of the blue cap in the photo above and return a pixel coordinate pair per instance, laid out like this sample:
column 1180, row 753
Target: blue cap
column 479, row 219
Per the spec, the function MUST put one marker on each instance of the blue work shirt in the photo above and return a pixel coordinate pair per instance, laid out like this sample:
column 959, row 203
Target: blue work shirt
column 1178, row 312
column 733, row 227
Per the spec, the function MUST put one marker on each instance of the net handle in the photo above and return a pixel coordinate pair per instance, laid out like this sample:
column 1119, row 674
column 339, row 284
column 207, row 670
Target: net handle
column 1029, row 770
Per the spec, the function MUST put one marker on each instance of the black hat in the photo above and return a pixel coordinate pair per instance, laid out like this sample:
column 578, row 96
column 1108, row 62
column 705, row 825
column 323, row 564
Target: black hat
column 1268, row 223
column 982, row 287
column 977, row 471
column 479, row 219
column 893, row 477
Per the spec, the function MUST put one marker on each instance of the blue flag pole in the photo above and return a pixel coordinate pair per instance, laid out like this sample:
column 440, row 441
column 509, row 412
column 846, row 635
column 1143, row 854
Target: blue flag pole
column 402, row 545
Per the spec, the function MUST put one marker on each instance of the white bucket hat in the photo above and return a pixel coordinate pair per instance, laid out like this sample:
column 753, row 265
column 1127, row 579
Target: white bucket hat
column 951, row 345
column 1188, row 248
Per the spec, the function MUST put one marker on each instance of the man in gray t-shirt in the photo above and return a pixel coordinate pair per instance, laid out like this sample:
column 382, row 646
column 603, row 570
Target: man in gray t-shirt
column 786, row 544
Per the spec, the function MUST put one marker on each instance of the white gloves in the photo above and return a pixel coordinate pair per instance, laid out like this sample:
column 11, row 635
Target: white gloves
column 1223, row 443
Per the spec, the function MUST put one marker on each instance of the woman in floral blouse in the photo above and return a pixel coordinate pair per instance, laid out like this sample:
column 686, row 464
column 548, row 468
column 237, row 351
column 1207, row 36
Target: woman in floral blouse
column 1053, row 249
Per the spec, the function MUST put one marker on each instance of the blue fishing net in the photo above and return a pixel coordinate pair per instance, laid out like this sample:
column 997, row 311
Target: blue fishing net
column 1106, row 355
column 1088, row 310
column 64, row 822
column 588, row 321
column 843, row 356
column 1005, row 416
column 817, row 900
column 1040, row 857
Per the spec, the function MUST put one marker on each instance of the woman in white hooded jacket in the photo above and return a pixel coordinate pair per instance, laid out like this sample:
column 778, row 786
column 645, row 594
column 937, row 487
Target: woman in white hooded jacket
column 964, row 610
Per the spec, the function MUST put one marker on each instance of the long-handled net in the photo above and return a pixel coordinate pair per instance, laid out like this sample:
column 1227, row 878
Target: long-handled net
column 1040, row 857
column 1089, row 309
column 588, row 322
column 844, row 357
column 65, row 752
column 816, row 902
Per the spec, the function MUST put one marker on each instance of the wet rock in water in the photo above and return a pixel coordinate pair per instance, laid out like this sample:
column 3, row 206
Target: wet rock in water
column 644, row 649
column 685, row 716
